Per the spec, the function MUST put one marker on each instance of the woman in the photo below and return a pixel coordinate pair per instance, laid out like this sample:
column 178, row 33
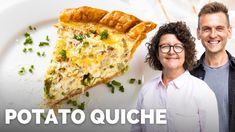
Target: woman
column 190, row 104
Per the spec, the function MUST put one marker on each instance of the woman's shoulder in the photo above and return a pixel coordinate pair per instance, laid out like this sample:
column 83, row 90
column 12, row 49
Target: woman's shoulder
column 150, row 84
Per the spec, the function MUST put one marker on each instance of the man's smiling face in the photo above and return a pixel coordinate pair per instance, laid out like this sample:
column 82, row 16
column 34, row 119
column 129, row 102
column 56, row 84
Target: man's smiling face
column 214, row 31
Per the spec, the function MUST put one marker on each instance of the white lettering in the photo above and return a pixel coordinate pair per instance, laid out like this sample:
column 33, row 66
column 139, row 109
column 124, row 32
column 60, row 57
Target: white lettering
column 98, row 120
column 116, row 116
column 64, row 113
column 161, row 116
column 123, row 115
column 51, row 117
column 82, row 116
column 145, row 116
column 97, row 116
column 20, row 116
column 38, row 113
column 10, row 114
column 129, row 115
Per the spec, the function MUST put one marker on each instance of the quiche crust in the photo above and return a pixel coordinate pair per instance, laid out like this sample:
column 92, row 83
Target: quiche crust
column 118, row 20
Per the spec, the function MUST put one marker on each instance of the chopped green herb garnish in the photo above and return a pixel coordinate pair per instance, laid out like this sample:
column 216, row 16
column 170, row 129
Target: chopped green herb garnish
column 43, row 116
column 79, row 51
column 31, row 70
column 62, row 93
column 47, row 38
column 30, row 50
column 111, row 66
column 21, row 71
column 26, row 34
column 132, row 80
column 43, row 44
column 43, row 54
column 79, row 38
column 116, row 83
column 74, row 103
column 81, row 106
column 28, row 40
column 86, row 79
column 112, row 90
column 109, row 85
column 69, row 101
column 30, row 28
column 47, row 86
column 104, row 35
column 139, row 82
column 122, row 67
column 63, row 54
column 88, row 35
column 24, row 50
column 87, row 94
column 125, row 69
column 93, row 31
column 38, row 53
column 121, row 88
column 85, row 44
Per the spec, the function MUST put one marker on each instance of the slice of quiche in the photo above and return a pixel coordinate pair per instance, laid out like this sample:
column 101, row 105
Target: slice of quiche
column 93, row 47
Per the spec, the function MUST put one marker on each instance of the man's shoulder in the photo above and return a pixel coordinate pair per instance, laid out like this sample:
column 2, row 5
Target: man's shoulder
column 231, row 59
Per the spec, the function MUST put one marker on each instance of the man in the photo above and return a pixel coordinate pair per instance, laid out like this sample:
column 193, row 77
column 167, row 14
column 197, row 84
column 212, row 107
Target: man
column 216, row 66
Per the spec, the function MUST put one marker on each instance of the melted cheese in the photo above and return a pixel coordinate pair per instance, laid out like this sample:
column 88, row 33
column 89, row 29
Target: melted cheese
column 88, row 61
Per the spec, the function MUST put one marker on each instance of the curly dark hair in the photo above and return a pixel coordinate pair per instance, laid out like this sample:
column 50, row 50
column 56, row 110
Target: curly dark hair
column 183, row 34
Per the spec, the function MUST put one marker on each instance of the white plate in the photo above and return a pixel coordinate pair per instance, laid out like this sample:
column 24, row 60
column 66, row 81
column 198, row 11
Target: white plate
column 26, row 91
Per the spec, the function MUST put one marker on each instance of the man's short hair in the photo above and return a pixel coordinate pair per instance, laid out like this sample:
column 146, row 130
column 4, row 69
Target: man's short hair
column 213, row 7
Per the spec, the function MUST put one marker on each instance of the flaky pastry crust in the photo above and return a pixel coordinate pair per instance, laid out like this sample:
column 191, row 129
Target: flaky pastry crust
column 122, row 22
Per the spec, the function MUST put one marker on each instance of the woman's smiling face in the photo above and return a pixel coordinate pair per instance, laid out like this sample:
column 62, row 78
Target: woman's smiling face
column 171, row 60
